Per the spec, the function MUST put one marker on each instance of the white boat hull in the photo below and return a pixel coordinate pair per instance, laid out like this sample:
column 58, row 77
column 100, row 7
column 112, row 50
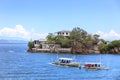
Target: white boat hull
column 97, row 68
column 67, row 64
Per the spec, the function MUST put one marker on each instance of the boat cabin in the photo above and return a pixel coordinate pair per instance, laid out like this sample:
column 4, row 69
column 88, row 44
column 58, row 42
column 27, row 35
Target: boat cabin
column 92, row 65
column 65, row 60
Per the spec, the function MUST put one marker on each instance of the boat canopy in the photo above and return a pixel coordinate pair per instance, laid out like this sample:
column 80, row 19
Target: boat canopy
column 92, row 63
column 65, row 59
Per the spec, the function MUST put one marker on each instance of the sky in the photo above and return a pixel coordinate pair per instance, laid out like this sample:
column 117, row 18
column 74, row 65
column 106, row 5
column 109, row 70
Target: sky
column 26, row 19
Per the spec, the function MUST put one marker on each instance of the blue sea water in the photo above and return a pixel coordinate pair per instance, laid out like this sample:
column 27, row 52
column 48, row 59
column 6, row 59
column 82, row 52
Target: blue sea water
column 17, row 64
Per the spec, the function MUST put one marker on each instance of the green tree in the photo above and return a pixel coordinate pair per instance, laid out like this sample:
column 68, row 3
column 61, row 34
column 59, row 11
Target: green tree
column 77, row 37
column 89, row 41
column 66, row 43
column 95, row 38
column 103, row 47
column 58, row 39
column 62, row 41
column 50, row 38
column 112, row 47
column 31, row 45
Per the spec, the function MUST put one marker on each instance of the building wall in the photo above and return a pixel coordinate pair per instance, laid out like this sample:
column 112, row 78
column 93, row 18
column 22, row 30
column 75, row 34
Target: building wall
column 64, row 33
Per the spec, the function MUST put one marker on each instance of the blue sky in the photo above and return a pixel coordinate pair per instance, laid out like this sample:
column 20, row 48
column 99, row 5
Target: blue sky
column 35, row 18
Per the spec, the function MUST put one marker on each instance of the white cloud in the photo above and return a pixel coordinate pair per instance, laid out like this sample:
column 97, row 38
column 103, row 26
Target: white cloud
column 112, row 35
column 21, row 33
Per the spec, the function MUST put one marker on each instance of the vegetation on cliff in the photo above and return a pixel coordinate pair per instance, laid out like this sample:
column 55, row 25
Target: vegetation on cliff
column 79, row 40
column 30, row 45
column 110, row 47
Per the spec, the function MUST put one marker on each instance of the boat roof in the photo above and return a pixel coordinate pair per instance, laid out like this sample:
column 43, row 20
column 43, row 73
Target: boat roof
column 65, row 59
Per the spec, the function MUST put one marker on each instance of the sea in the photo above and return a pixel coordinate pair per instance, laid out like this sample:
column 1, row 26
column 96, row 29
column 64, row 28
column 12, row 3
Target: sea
column 18, row 64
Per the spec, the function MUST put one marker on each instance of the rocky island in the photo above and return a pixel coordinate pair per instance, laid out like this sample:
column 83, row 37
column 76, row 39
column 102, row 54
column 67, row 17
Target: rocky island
column 75, row 41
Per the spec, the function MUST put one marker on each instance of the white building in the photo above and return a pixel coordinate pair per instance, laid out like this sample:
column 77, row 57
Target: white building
column 39, row 43
column 64, row 33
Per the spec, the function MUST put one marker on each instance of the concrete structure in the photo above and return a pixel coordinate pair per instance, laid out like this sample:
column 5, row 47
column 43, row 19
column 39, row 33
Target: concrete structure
column 42, row 45
column 38, row 43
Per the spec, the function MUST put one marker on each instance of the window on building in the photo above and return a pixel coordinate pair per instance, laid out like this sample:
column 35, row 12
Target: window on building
column 66, row 33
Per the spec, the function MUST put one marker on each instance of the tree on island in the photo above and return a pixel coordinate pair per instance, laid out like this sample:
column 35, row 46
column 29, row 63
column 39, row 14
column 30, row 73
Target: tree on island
column 77, row 37
column 30, row 45
column 79, row 40
column 82, row 42
column 111, row 47
column 58, row 39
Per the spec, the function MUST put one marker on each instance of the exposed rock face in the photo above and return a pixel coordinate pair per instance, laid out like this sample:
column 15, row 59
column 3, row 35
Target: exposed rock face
column 29, row 50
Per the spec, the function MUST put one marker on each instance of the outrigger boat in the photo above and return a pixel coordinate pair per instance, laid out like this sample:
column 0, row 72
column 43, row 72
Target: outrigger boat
column 94, row 66
column 66, row 62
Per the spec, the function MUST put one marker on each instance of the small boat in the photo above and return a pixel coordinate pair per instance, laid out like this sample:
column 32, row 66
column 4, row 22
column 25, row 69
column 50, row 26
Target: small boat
column 66, row 62
column 94, row 66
